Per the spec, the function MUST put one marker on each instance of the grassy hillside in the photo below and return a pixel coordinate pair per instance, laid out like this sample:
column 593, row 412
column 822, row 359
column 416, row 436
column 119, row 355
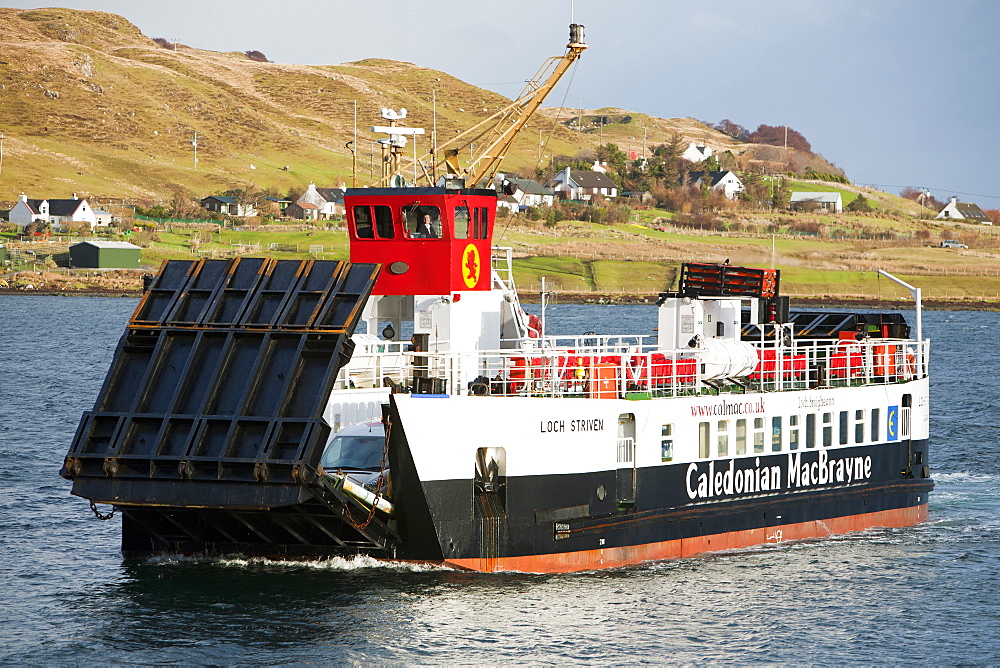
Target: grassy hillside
column 91, row 105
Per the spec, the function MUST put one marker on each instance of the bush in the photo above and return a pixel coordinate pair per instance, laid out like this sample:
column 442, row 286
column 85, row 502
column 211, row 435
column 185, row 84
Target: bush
column 256, row 55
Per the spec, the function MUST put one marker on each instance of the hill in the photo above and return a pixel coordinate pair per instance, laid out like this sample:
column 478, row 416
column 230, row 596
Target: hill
column 91, row 105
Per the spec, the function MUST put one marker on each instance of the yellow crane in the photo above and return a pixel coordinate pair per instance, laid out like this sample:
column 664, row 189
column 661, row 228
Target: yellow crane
column 491, row 138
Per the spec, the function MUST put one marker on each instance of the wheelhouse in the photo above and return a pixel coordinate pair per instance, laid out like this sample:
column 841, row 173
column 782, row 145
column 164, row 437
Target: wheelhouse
column 429, row 240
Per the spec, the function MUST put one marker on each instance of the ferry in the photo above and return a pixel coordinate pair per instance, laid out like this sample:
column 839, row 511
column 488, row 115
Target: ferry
column 488, row 444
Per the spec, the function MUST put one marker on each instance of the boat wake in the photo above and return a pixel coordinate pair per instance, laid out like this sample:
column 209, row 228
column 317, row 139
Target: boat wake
column 357, row 563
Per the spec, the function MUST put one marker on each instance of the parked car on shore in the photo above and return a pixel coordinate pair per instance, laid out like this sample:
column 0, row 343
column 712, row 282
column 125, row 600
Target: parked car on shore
column 951, row 243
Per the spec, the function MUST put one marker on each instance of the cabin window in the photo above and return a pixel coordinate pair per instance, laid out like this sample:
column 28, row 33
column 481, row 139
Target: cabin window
column 482, row 223
column 383, row 222
column 703, row 444
column 875, row 424
column 844, row 428
column 365, row 226
column 859, row 426
column 811, row 430
column 462, row 222
column 827, row 430
column 363, row 222
column 422, row 222
column 666, row 442
column 723, row 438
column 776, row 434
column 741, row 437
column 793, row 432
column 758, row 434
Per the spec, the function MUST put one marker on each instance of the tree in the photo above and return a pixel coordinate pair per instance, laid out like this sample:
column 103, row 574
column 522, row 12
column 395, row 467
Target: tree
column 993, row 215
column 736, row 130
column 860, row 205
column 775, row 136
column 611, row 154
column 256, row 55
column 780, row 194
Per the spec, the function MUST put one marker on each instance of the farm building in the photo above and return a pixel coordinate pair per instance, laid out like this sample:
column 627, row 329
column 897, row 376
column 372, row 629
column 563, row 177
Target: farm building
column 104, row 255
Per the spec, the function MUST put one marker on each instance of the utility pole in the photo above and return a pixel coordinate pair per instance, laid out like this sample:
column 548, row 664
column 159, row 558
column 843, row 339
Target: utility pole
column 786, row 136
column 194, row 143
column 354, row 151
column 644, row 143
column 1, row 153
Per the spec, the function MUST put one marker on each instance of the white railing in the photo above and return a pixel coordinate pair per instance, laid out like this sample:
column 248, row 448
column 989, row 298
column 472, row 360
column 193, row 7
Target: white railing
column 611, row 368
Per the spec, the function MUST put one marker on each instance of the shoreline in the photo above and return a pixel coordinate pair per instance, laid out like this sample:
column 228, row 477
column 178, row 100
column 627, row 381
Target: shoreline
column 619, row 299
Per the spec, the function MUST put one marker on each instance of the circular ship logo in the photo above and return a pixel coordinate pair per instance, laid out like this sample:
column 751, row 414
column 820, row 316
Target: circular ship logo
column 470, row 266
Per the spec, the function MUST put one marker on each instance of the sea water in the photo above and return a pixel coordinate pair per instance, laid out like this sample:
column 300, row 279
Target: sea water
column 928, row 594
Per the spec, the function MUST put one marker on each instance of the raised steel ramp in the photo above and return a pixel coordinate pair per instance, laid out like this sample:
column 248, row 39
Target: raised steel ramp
column 208, row 431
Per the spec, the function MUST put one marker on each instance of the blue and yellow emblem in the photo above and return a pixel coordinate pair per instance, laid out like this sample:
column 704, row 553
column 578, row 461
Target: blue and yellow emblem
column 892, row 423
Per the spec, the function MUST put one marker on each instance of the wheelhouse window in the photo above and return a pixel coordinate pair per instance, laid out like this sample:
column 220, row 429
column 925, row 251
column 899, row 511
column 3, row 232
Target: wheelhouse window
column 704, row 446
column 481, row 222
column 776, row 434
column 462, row 222
column 363, row 227
column 723, row 438
column 741, row 437
column 422, row 222
column 758, row 434
column 369, row 220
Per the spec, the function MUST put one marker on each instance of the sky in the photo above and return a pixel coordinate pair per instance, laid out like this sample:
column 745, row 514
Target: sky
column 896, row 92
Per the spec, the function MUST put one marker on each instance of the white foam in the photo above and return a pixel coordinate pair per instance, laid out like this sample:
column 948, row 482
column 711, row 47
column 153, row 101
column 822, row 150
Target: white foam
column 355, row 563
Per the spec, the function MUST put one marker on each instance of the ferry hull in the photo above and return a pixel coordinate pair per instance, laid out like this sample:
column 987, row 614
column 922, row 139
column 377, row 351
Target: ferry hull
column 584, row 560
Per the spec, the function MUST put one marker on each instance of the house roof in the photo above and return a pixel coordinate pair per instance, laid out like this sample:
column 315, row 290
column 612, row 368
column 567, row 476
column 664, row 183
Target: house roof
column 304, row 205
column 331, row 194
column 530, row 186
column 57, row 207
column 64, row 207
column 821, row 197
column 588, row 179
column 970, row 210
column 715, row 176
column 225, row 199
column 108, row 244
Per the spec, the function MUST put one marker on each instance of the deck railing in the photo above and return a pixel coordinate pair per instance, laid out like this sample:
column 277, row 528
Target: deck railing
column 630, row 367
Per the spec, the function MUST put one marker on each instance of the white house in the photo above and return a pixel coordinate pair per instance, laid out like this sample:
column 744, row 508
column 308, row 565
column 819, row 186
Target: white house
column 725, row 181
column 528, row 192
column 830, row 202
column 953, row 210
column 695, row 153
column 329, row 202
column 229, row 206
column 55, row 212
column 582, row 185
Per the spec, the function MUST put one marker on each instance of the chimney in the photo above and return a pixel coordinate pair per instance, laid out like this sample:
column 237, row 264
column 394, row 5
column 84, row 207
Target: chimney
column 24, row 198
column 954, row 200
column 74, row 196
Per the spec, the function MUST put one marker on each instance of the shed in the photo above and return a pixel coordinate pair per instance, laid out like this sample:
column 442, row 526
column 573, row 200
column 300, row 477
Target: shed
column 104, row 255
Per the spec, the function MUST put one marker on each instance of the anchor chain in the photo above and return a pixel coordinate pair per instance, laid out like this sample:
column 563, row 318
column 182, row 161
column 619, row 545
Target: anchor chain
column 103, row 516
column 378, row 489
